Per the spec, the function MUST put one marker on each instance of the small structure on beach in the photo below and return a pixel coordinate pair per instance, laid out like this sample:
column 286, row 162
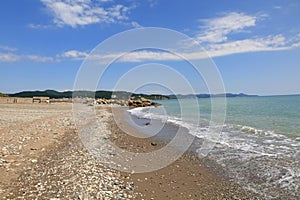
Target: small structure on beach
column 41, row 99
column 36, row 100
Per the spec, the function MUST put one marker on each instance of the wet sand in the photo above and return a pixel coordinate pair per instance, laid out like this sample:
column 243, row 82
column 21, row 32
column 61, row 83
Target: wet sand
column 186, row 178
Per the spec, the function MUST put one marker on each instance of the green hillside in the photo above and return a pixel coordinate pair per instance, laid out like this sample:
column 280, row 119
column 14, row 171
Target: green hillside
column 97, row 94
column 3, row 95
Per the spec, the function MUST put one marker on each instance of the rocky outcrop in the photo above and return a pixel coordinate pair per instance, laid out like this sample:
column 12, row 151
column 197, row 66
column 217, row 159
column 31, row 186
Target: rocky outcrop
column 139, row 102
column 112, row 101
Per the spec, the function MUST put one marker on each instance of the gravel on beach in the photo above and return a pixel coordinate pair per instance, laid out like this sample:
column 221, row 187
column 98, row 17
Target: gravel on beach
column 42, row 156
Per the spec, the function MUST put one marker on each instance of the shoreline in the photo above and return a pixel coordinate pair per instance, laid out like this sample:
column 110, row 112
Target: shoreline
column 186, row 178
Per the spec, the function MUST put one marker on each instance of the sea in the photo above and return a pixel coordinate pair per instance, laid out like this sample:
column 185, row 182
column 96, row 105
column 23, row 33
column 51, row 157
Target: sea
column 258, row 144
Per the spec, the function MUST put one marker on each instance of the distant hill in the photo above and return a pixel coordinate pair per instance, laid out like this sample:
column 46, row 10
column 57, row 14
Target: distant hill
column 180, row 96
column 48, row 93
column 117, row 95
column 234, row 95
column 98, row 94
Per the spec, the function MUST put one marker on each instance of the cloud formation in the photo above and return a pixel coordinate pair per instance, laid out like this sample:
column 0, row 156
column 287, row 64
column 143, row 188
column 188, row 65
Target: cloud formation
column 38, row 58
column 217, row 29
column 215, row 35
column 74, row 54
column 7, row 48
column 84, row 12
column 9, row 54
column 8, row 57
column 136, row 56
column 269, row 43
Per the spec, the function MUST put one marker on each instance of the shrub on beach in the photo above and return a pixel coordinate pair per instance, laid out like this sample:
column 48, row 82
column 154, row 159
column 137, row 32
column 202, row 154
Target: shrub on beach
column 3, row 95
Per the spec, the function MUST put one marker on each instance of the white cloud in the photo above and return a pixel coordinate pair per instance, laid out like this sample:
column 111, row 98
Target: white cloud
column 255, row 44
column 11, row 54
column 136, row 25
column 105, row 0
column 146, row 55
column 217, row 29
column 12, row 57
column 216, row 35
column 7, row 48
column 37, row 58
column 8, row 57
column 277, row 7
column 271, row 43
column 39, row 26
column 84, row 12
column 138, row 56
column 142, row 56
column 74, row 54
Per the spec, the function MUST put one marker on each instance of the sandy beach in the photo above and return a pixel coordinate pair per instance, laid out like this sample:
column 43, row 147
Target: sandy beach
column 42, row 157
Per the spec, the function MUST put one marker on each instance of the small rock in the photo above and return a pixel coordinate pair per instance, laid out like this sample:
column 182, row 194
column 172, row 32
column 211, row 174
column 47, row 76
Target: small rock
column 4, row 161
column 153, row 143
column 122, row 187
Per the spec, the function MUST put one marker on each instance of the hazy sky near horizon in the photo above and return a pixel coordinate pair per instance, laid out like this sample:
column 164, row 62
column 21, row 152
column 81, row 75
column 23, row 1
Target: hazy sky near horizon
column 255, row 44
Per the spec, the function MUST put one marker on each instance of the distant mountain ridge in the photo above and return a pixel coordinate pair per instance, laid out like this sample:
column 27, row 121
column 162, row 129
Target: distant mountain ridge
column 98, row 94
column 180, row 96
column 119, row 95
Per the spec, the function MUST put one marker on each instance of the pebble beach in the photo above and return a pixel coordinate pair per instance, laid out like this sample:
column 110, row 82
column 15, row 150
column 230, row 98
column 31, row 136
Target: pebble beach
column 42, row 157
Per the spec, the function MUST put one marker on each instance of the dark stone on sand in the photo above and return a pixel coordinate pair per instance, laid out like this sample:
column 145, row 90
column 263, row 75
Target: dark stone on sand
column 153, row 143
column 122, row 187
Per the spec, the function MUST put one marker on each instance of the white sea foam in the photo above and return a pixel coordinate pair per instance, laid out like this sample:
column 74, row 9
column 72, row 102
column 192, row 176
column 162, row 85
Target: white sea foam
column 243, row 150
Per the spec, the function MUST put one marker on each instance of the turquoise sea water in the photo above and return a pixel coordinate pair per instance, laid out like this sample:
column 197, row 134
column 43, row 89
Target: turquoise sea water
column 279, row 114
column 259, row 145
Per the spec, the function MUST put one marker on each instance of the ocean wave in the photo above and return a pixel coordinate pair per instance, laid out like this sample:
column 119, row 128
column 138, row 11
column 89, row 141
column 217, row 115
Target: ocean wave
column 242, row 150
column 232, row 135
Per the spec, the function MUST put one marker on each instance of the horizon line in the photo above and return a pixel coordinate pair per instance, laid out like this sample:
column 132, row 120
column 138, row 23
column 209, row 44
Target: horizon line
column 258, row 95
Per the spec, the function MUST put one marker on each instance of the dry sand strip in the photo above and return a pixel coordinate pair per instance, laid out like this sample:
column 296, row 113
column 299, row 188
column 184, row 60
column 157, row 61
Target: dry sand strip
column 43, row 158
column 184, row 179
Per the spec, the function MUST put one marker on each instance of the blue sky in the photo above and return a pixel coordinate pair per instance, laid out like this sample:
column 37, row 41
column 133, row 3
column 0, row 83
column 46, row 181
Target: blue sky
column 255, row 44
